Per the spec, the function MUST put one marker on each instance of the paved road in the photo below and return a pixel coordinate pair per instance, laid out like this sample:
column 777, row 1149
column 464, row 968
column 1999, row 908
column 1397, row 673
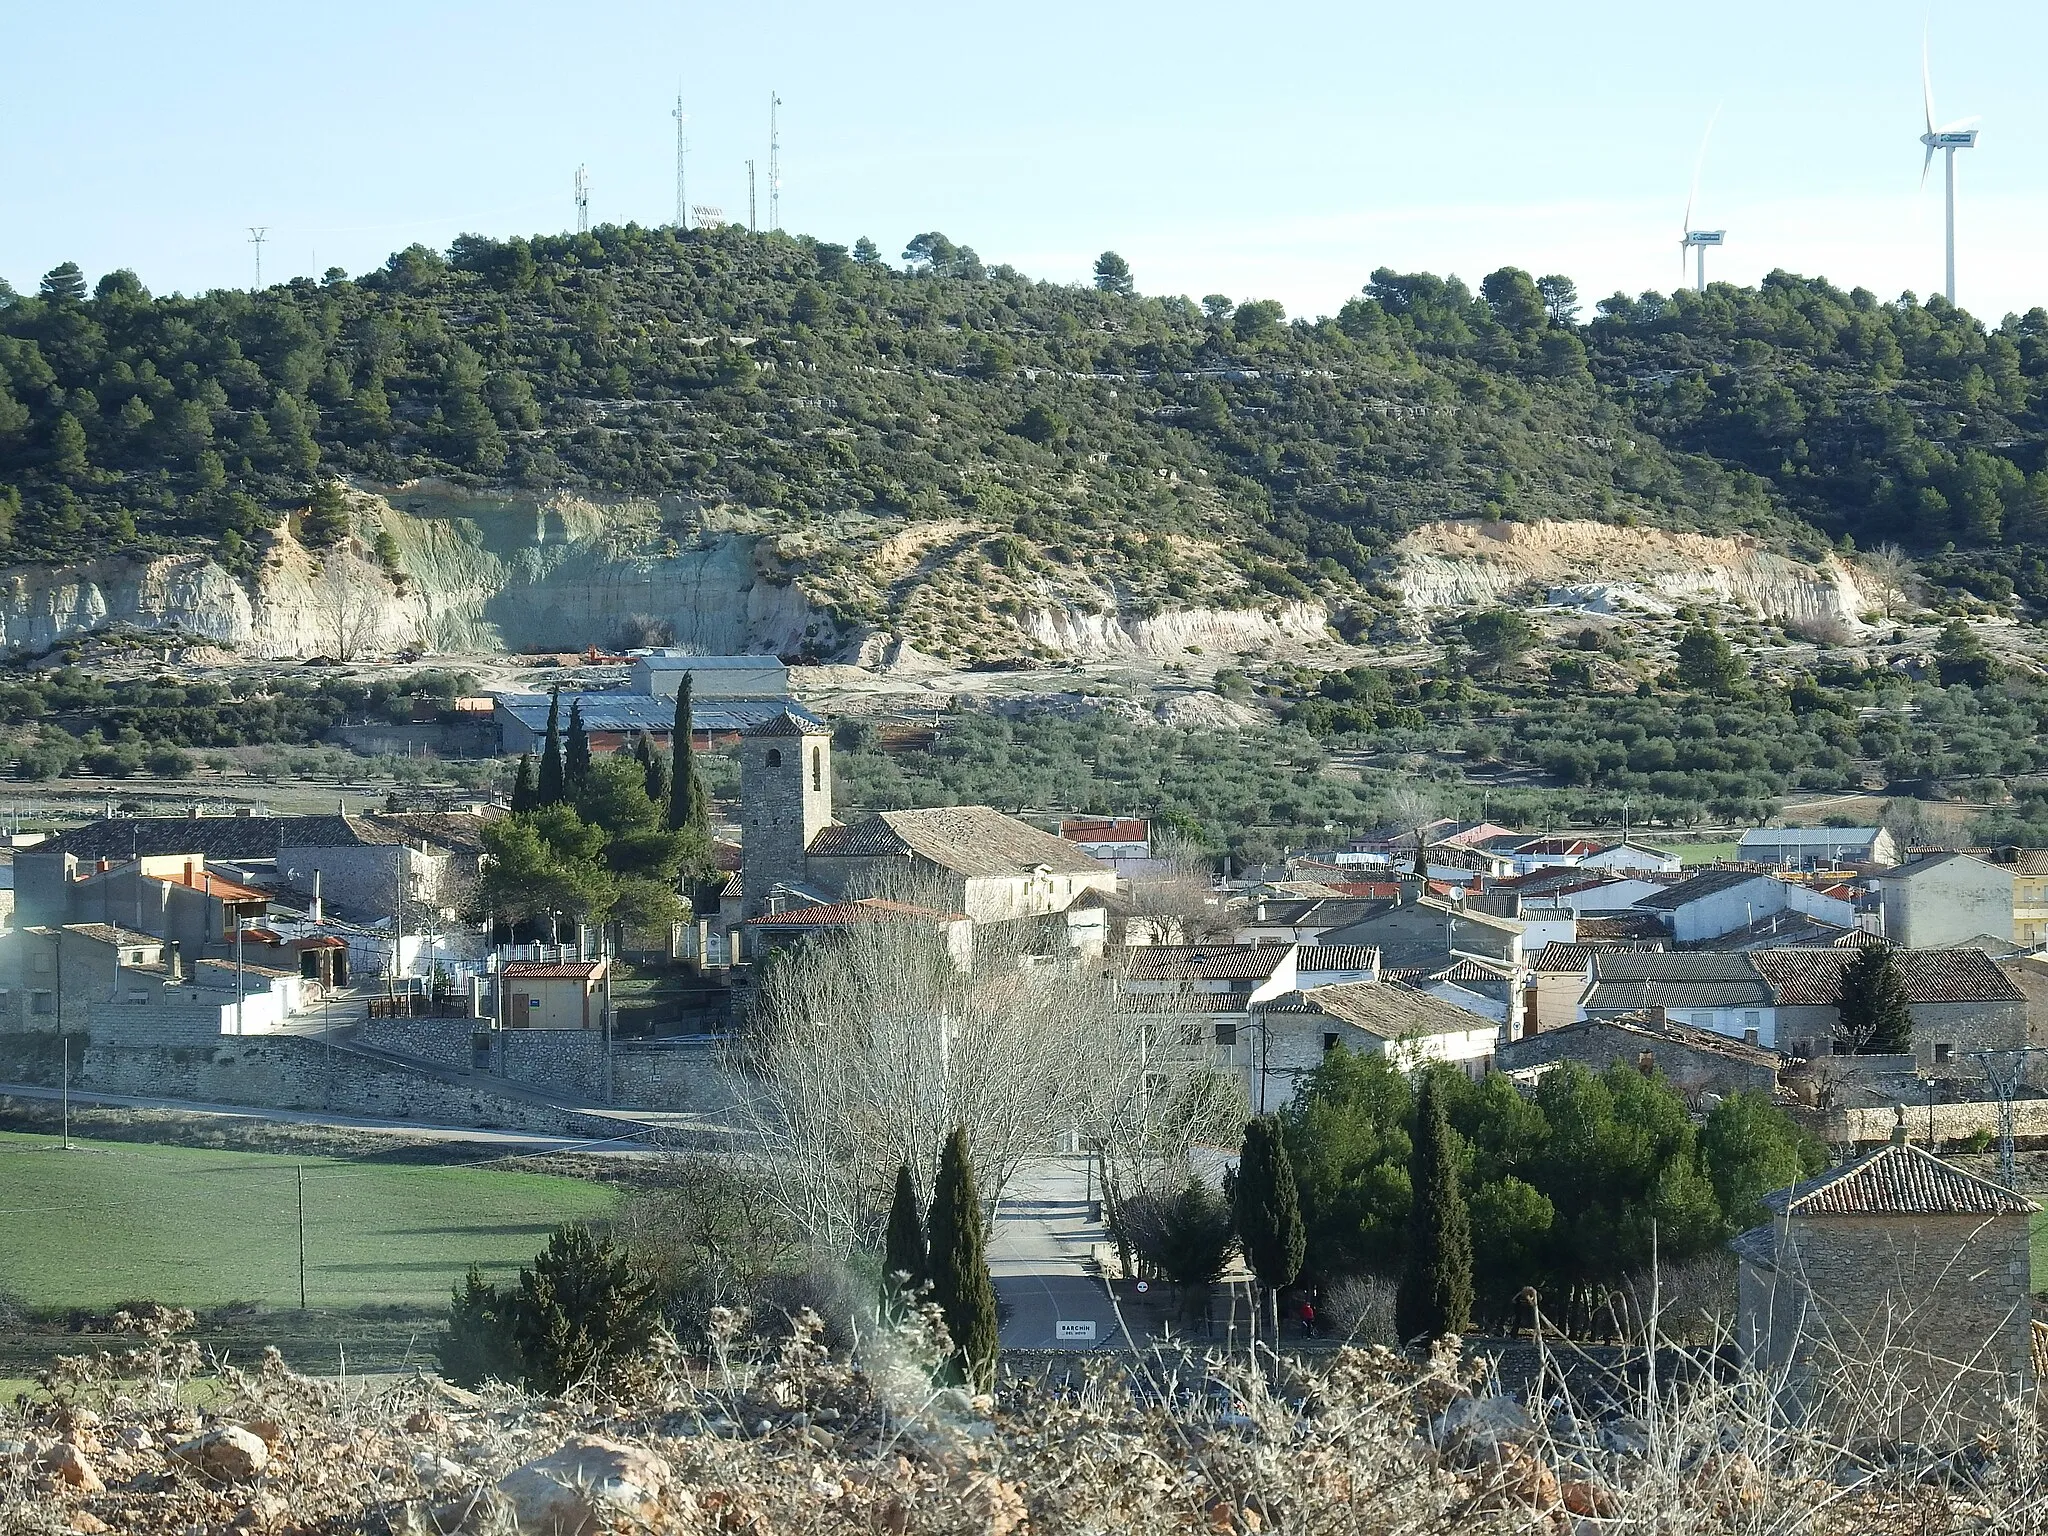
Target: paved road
column 1038, row 1256
column 525, row 1141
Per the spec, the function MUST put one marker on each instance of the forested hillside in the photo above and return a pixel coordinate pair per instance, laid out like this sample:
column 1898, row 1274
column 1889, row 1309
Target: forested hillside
column 1132, row 440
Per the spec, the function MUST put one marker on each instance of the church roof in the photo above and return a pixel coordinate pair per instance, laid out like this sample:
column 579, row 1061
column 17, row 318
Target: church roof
column 1898, row 1180
column 790, row 720
column 967, row 840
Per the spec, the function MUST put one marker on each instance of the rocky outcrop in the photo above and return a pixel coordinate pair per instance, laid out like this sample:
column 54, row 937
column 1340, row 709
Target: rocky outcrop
column 1603, row 568
column 1165, row 636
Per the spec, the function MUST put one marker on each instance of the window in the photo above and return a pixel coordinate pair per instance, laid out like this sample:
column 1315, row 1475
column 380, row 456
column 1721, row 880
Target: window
column 41, row 1002
column 1943, row 1050
column 774, row 758
column 1646, row 1062
column 817, row 768
column 1329, row 1042
column 42, row 962
column 1226, row 1031
column 1703, row 1021
column 1752, row 1019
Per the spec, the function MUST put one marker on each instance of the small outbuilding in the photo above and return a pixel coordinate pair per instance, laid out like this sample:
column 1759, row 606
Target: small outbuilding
column 554, row 994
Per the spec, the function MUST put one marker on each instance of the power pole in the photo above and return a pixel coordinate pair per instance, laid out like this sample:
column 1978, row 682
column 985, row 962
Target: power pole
column 774, row 162
column 257, row 234
column 751, row 227
column 582, row 200
column 682, row 149
column 301, row 1169
column 67, row 1081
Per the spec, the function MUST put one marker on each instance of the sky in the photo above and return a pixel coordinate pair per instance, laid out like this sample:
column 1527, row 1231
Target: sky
column 1281, row 150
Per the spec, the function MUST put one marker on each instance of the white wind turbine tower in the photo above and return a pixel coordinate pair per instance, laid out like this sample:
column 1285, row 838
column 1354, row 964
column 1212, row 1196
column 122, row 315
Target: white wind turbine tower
column 1957, row 135
column 1697, row 240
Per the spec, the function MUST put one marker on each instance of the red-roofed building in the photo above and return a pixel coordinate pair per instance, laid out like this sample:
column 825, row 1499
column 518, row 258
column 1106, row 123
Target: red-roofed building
column 554, row 994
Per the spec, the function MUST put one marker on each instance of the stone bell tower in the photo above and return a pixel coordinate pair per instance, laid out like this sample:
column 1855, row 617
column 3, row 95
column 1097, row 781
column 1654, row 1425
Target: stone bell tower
column 785, row 801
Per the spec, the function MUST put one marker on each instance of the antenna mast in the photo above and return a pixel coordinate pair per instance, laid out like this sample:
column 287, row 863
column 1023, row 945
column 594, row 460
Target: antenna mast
column 774, row 163
column 582, row 200
column 257, row 234
column 682, row 149
column 751, row 227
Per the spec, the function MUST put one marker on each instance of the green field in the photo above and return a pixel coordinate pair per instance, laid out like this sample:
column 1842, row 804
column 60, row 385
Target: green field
column 1703, row 853
column 116, row 1221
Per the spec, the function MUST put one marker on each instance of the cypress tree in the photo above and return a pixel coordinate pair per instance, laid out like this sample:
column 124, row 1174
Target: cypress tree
column 689, row 807
column 576, row 757
column 1269, row 1212
column 549, row 787
column 655, row 768
column 903, row 1250
column 1876, row 1019
column 959, row 1268
column 524, row 795
column 1435, row 1296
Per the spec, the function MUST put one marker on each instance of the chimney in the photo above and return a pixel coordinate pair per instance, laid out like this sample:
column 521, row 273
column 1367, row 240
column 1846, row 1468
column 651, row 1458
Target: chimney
column 188, row 871
column 1656, row 1013
column 177, row 961
column 1899, row 1127
column 1749, row 1037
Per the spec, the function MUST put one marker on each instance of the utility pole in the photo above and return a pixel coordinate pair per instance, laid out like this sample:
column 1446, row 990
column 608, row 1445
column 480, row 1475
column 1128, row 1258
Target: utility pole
column 257, row 234
column 751, row 227
column 582, row 200
column 682, row 149
column 774, row 162
column 301, row 1170
column 67, row 1082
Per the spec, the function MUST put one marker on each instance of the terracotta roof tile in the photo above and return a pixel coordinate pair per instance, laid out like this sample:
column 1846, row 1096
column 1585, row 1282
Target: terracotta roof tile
column 844, row 914
column 1205, row 962
column 969, row 840
column 1898, row 1181
column 1814, row 976
column 552, row 970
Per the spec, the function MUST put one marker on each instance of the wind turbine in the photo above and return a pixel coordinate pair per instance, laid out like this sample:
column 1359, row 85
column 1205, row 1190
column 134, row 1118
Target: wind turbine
column 1957, row 135
column 1697, row 240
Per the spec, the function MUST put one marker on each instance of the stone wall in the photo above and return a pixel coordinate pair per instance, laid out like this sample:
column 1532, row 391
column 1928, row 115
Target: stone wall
column 1963, row 1027
column 1599, row 1046
column 683, row 1078
column 679, row 1079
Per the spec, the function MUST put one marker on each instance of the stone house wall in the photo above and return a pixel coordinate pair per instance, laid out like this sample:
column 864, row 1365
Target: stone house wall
column 1598, row 1046
column 1807, row 1029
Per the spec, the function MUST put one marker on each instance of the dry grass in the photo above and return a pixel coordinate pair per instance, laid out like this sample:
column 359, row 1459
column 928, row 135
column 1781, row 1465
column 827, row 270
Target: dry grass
column 792, row 1439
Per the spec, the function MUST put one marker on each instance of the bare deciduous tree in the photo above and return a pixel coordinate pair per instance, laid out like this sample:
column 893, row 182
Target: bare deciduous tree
column 864, row 1047
column 348, row 601
column 1891, row 577
column 1177, row 903
column 1414, row 806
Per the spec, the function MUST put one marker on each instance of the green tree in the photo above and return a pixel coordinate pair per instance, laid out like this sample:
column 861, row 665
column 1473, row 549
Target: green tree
column 1268, row 1212
column 477, row 1346
column 1516, row 302
column 1560, row 298
column 1498, row 638
column 1113, row 274
column 325, row 522
column 1875, row 1017
column 550, row 785
column 545, row 863
column 1347, row 1142
column 525, row 795
column 689, row 802
column 905, row 1261
column 576, row 753
column 67, row 446
column 579, row 1306
column 959, row 1267
column 1960, row 656
column 653, row 771
column 63, row 284
column 1750, row 1147
column 1435, row 1297
column 1705, row 664
column 1187, row 1235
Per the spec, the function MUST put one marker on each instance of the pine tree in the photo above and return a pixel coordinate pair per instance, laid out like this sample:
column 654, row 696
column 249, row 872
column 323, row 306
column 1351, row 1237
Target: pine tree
column 580, row 1305
column 1269, row 1212
column 576, row 757
column 689, row 806
column 326, row 521
column 959, row 1268
column 476, row 1349
column 525, row 795
column 904, row 1259
column 549, row 787
column 1435, row 1296
column 1876, row 1018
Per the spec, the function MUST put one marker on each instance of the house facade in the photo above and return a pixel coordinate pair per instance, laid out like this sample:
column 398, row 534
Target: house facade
column 1814, row 847
column 1945, row 899
column 1694, row 1061
column 561, row 994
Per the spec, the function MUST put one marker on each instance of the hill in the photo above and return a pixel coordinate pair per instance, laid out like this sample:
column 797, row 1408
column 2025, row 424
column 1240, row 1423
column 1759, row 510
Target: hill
column 951, row 451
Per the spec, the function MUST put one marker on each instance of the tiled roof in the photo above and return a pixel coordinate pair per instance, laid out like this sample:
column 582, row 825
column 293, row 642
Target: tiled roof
column 1321, row 911
column 969, row 840
column 552, row 970
column 655, row 714
column 1631, row 979
column 1169, row 1004
column 106, row 933
column 1336, row 957
column 845, row 914
column 1557, row 956
column 1386, row 1010
column 1710, row 883
column 1898, row 1180
column 1630, row 926
column 1559, row 847
column 1113, row 829
column 788, row 720
column 1814, row 976
column 1205, row 962
column 1648, row 1026
column 216, row 837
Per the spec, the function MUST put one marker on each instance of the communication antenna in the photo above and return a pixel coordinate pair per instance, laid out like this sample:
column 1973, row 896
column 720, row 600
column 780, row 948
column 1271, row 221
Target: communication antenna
column 682, row 149
column 774, row 163
column 1949, row 139
column 258, row 233
column 582, row 200
column 751, row 226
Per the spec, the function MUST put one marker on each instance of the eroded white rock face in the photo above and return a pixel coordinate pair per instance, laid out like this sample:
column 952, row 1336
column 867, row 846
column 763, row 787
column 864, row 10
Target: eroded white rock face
column 1607, row 569
column 1164, row 636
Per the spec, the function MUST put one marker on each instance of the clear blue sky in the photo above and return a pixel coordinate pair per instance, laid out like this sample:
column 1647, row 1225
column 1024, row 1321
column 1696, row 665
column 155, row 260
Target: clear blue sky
column 1274, row 150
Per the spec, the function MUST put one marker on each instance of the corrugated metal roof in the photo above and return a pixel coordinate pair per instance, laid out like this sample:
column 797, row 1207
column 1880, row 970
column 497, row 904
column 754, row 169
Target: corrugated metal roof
column 552, row 970
column 1899, row 1180
column 1801, row 837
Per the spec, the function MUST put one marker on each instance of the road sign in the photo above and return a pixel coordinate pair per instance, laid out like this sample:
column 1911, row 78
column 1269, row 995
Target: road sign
column 1082, row 1332
column 1144, row 1286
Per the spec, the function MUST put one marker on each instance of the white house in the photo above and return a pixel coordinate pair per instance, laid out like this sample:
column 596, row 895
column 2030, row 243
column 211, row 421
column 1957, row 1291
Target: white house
column 1707, row 990
column 1626, row 855
column 1944, row 900
column 1289, row 1036
column 1721, row 901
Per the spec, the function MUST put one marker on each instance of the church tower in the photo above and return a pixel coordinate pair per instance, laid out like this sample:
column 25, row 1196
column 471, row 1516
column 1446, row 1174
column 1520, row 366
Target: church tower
column 785, row 801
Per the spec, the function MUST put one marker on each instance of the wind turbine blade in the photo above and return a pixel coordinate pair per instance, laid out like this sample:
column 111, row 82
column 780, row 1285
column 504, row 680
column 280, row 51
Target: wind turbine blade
column 1925, row 166
column 1926, row 81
